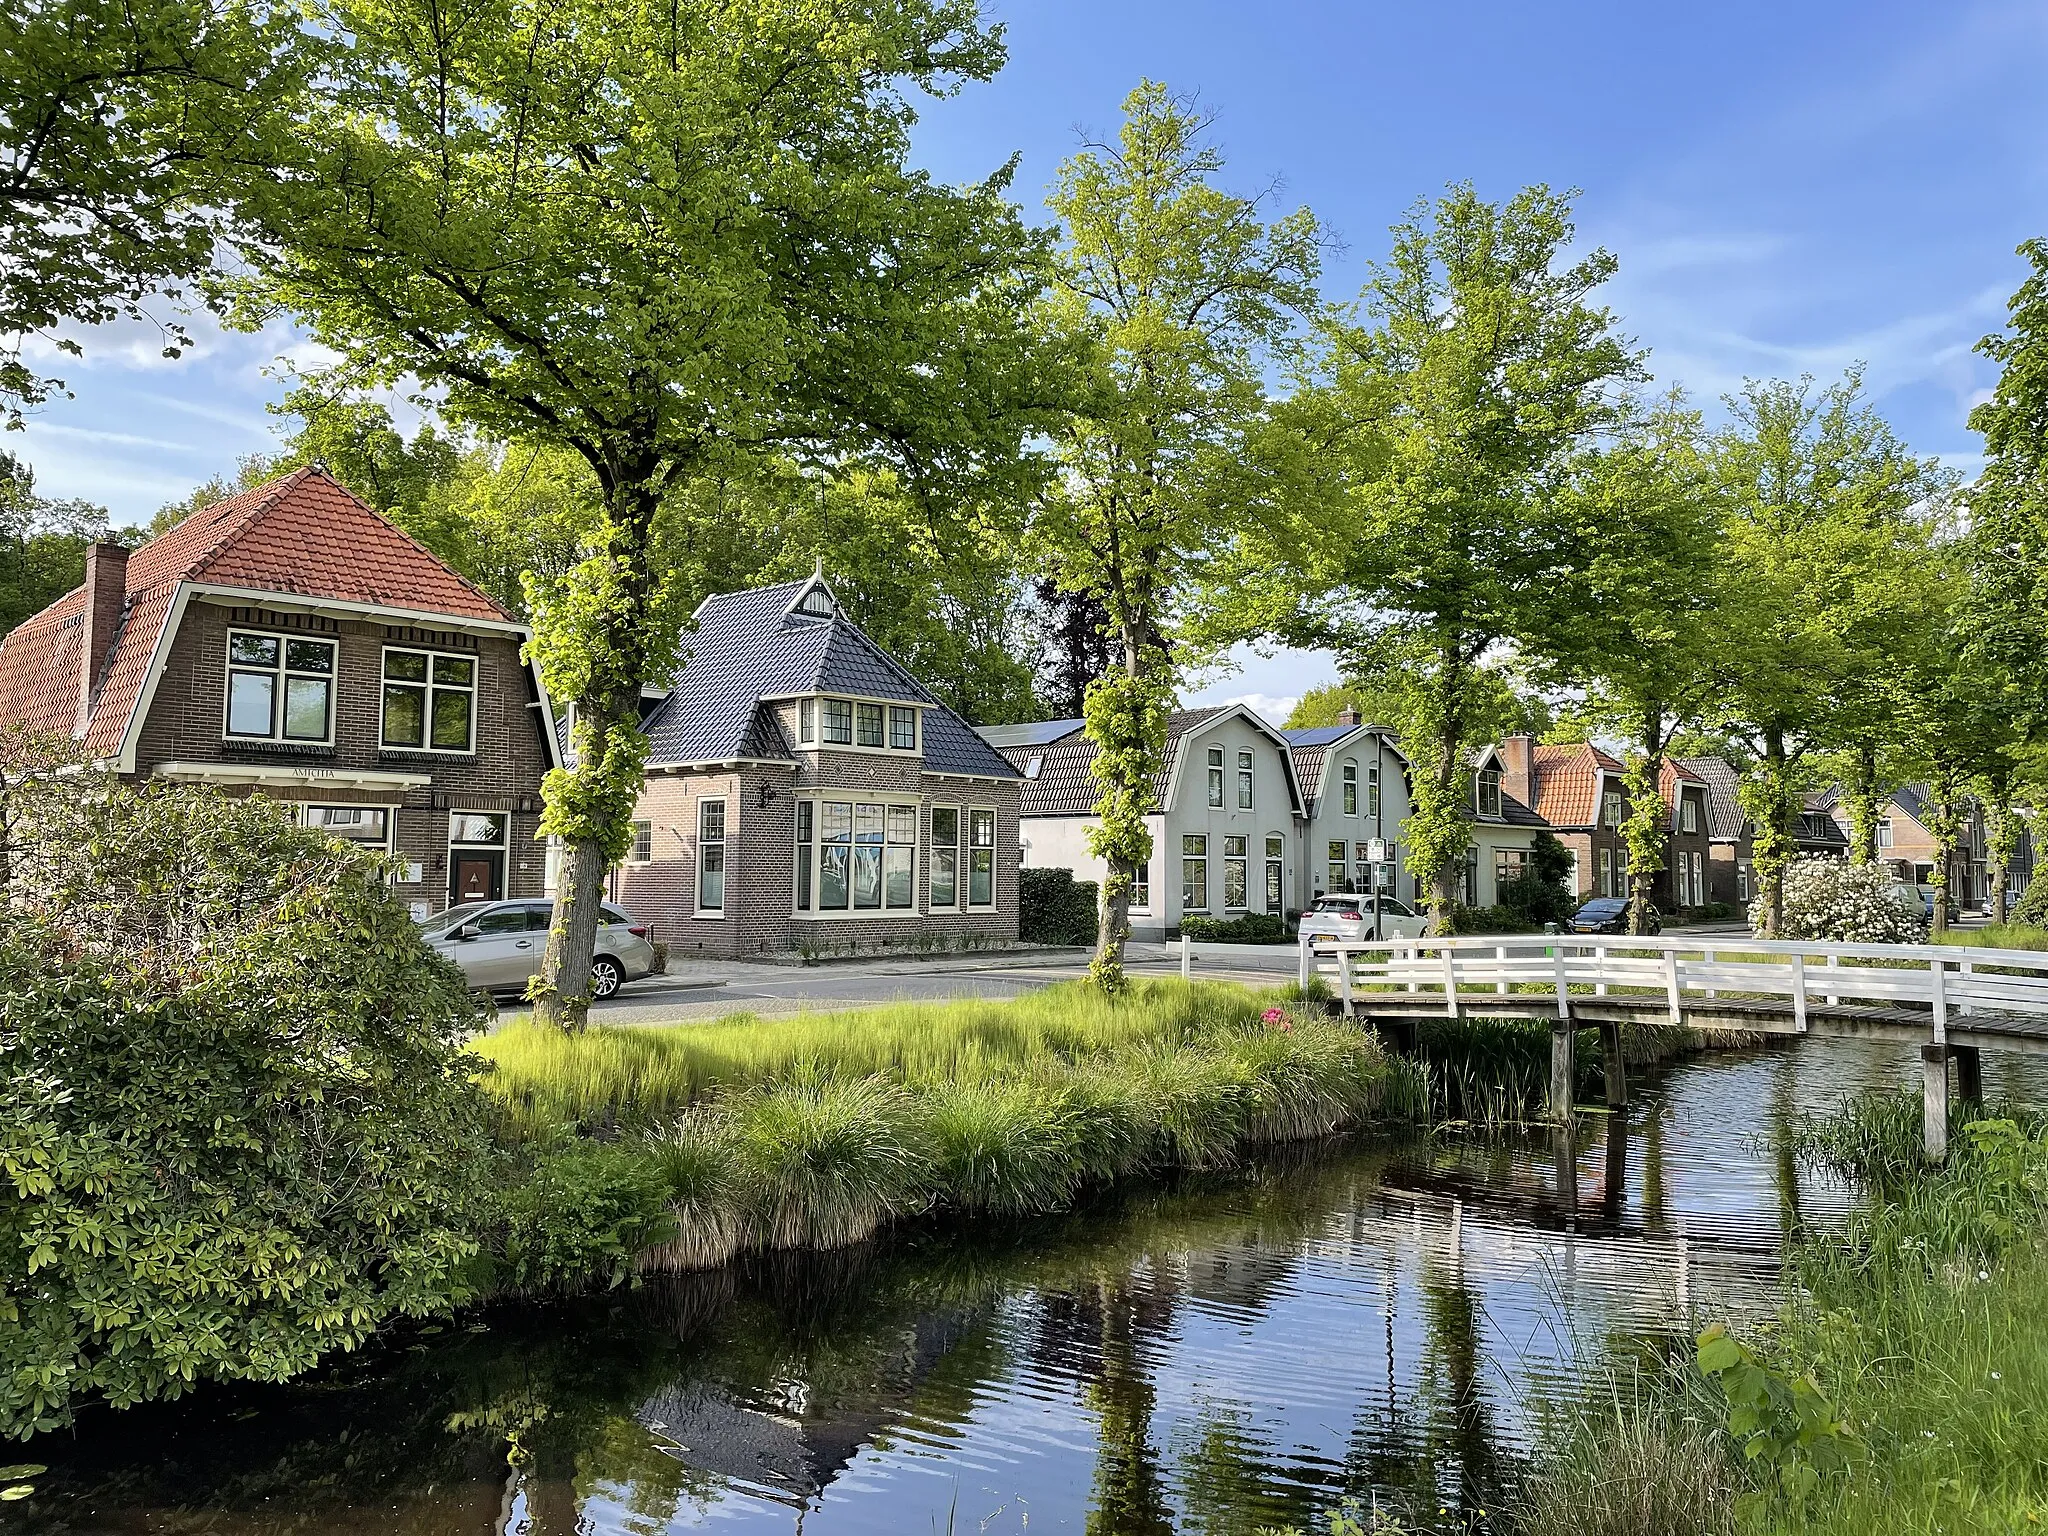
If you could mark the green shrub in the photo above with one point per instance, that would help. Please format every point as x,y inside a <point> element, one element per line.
<point>1846,903</point>
<point>1004,1148</point>
<point>1538,895</point>
<point>235,1118</point>
<point>1055,908</point>
<point>2031,910</point>
<point>1252,928</point>
<point>1467,921</point>
<point>825,1163</point>
<point>580,1215</point>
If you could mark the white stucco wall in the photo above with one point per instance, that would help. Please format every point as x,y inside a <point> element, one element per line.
<point>1331,824</point>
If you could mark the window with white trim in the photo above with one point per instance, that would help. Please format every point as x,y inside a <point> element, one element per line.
<point>945,857</point>
<point>866,855</point>
<point>867,725</point>
<point>838,723</point>
<point>1611,812</point>
<point>1487,792</point>
<point>1244,781</point>
<point>1141,887</point>
<point>902,728</point>
<point>642,851</point>
<point>1340,866</point>
<point>981,858</point>
<point>1216,777</point>
<point>279,688</point>
<point>1236,894</point>
<point>429,701</point>
<point>1275,893</point>
<point>1884,832</point>
<point>1688,813</point>
<point>1372,791</point>
<point>806,721</point>
<point>1194,872</point>
<point>363,826</point>
<point>1606,871</point>
<point>1351,789</point>
<point>711,856</point>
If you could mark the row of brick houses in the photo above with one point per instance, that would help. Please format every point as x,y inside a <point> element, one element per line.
<point>803,790</point>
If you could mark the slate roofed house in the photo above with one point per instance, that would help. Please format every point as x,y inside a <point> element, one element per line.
<point>1504,828</point>
<point>1355,785</point>
<point>1225,834</point>
<point>289,642</point>
<point>1729,871</point>
<point>804,791</point>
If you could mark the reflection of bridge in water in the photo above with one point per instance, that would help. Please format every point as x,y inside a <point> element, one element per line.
<point>1948,1003</point>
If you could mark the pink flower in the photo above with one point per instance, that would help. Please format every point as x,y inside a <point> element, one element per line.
<point>1275,1017</point>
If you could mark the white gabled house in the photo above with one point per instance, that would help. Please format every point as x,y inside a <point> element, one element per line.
<point>1228,807</point>
<point>1355,784</point>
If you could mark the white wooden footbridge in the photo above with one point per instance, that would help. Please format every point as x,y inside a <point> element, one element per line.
<point>1948,1002</point>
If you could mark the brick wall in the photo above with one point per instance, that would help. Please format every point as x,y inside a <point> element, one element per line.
<point>760,857</point>
<point>501,775</point>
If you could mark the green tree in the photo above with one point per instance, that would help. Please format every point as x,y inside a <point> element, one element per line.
<point>1179,292</point>
<point>1827,516</point>
<point>43,543</point>
<point>1646,521</point>
<point>1413,529</point>
<point>662,237</point>
<point>123,127</point>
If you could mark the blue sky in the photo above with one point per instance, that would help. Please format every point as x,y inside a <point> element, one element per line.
<point>1789,188</point>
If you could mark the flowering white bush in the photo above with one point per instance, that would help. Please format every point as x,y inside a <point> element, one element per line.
<point>1847,903</point>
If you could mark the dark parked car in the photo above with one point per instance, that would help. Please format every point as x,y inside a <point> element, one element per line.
<point>1609,914</point>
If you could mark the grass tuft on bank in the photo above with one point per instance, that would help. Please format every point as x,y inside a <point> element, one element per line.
<point>816,1132</point>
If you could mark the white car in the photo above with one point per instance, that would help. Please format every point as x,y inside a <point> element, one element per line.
<point>1344,919</point>
<point>498,945</point>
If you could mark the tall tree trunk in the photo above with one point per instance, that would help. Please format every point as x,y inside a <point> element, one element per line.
<point>1766,797</point>
<point>1942,790</point>
<point>2001,842</point>
<point>563,999</point>
<point>1645,830</point>
<point>1126,713</point>
<point>1860,799</point>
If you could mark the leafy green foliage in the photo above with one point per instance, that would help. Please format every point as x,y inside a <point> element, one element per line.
<point>1539,894</point>
<point>1401,506</point>
<point>1784,1424</point>
<point>123,128</point>
<point>577,1218</point>
<point>42,543</point>
<point>236,1124</point>
<point>1055,908</point>
<point>1252,928</point>
<point>1173,293</point>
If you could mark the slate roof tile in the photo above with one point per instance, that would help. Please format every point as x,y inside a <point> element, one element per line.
<point>756,645</point>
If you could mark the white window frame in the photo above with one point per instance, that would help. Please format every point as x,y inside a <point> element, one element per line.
<point>1484,780</point>
<point>1191,860</point>
<point>1350,778</point>
<point>1141,887</point>
<point>806,722</point>
<point>1372,792</point>
<point>854,799</point>
<point>855,705</point>
<point>1246,774</point>
<point>280,676</point>
<point>1215,762</point>
<point>1612,811</point>
<point>1237,862</point>
<point>705,842</point>
<point>503,845</point>
<point>1884,831</point>
<point>1273,882</point>
<point>429,688</point>
<point>302,810</point>
<point>1689,814</point>
<point>995,843</point>
<point>642,851</point>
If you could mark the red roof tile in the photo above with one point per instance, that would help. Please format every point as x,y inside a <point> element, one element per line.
<point>1567,782</point>
<point>302,535</point>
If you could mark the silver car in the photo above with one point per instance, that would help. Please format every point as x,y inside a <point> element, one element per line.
<point>498,945</point>
<point>1344,919</point>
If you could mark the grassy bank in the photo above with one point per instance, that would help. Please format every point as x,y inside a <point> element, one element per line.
<point>1996,936</point>
<point>676,1148</point>
<point>1902,1388</point>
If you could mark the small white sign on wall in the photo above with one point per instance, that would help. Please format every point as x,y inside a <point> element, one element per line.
<point>409,873</point>
<point>419,911</point>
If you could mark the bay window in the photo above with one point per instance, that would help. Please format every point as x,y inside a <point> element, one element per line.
<point>279,688</point>
<point>867,725</point>
<point>859,856</point>
<point>838,723</point>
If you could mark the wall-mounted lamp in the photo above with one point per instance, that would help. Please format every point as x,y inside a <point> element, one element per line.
<point>767,794</point>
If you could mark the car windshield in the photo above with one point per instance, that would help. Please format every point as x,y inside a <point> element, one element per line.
<point>452,917</point>
<point>1605,906</point>
<point>1347,905</point>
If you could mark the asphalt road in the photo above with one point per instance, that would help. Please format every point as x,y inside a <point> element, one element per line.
<point>774,990</point>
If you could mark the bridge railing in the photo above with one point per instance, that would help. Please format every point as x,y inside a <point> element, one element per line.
<point>1457,976</point>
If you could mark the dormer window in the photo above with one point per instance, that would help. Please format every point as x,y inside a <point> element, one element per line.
<point>817,603</point>
<point>1488,792</point>
<point>857,723</point>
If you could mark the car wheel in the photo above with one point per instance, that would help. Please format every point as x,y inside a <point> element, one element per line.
<point>606,977</point>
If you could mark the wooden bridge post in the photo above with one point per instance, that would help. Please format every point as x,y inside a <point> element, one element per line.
<point>1934,1100</point>
<point>1616,1066</point>
<point>1564,1042</point>
<point>1969,1073</point>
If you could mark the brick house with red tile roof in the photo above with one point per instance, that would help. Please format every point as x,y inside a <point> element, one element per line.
<point>288,641</point>
<point>1577,788</point>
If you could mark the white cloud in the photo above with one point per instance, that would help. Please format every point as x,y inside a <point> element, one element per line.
<point>1275,710</point>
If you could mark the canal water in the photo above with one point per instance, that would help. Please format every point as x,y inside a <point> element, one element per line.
<point>1225,1355</point>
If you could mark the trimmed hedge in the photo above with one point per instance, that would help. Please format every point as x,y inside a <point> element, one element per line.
<point>1055,908</point>
<point>1252,928</point>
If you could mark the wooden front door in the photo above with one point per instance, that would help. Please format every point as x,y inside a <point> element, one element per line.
<point>475,875</point>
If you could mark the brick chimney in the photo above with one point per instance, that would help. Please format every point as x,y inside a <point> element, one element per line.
<point>1349,715</point>
<point>106,594</point>
<point>1518,768</point>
